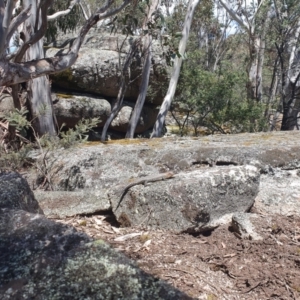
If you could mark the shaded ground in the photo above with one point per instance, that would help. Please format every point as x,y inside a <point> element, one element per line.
<point>218,265</point>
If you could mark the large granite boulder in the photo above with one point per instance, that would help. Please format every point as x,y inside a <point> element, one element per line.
<point>41,259</point>
<point>71,108</point>
<point>279,193</point>
<point>97,69</point>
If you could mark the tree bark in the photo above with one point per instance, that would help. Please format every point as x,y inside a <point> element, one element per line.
<point>39,89</point>
<point>12,73</point>
<point>257,61</point>
<point>159,124</point>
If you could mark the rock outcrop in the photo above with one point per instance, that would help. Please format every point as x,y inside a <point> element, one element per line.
<point>192,201</point>
<point>215,176</point>
<point>15,193</point>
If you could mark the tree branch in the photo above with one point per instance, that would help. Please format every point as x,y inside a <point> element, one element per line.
<point>257,10</point>
<point>101,14</point>
<point>13,73</point>
<point>39,34</point>
<point>87,13</point>
<point>234,16</point>
<point>63,12</point>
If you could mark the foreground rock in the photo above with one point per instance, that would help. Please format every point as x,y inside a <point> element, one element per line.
<point>190,202</point>
<point>243,226</point>
<point>41,259</point>
<point>61,204</point>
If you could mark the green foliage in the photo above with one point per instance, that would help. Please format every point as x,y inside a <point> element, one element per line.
<point>18,119</point>
<point>246,116</point>
<point>215,100</point>
<point>132,19</point>
<point>79,134</point>
<point>15,160</point>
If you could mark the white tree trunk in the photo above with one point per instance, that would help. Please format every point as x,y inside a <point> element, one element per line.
<point>157,130</point>
<point>255,68</point>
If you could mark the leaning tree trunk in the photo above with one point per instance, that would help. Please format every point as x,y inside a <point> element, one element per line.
<point>122,87</point>
<point>39,89</point>
<point>142,91</point>
<point>145,73</point>
<point>160,120</point>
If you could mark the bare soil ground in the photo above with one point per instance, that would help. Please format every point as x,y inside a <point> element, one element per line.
<point>217,265</point>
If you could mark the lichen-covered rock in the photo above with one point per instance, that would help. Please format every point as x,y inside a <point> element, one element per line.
<point>61,204</point>
<point>243,226</point>
<point>70,109</point>
<point>15,193</point>
<point>97,168</point>
<point>41,259</point>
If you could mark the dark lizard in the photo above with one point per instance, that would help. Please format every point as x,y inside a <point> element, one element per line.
<point>145,180</point>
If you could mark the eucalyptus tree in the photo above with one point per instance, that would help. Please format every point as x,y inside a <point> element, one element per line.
<point>28,65</point>
<point>254,19</point>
